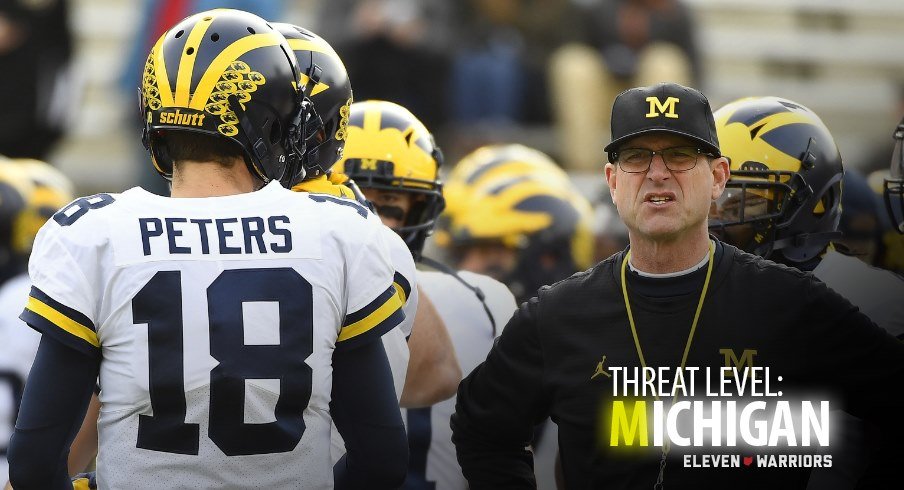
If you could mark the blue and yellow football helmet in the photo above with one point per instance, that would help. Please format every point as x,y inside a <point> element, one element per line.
<point>528,206</point>
<point>229,74</point>
<point>783,199</point>
<point>17,219</point>
<point>389,149</point>
<point>325,84</point>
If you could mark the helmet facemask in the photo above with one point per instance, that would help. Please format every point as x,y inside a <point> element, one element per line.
<point>752,209</point>
<point>893,191</point>
<point>783,198</point>
<point>427,199</point>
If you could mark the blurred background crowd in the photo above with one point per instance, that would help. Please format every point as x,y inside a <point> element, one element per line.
<point>537,72</point>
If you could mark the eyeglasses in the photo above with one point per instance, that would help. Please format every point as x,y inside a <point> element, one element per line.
<point>676,159</point>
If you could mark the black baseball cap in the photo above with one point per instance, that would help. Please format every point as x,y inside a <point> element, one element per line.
<point>664,107</point>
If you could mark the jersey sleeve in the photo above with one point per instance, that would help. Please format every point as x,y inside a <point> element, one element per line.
<point>61,301</point>
<point>374,306</point>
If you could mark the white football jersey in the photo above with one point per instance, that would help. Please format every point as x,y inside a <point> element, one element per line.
<point>216,320</point>
<point>396,340</point>
<point>432,456</point>
<point>17,352</point>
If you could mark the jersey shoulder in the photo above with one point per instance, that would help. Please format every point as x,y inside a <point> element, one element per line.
<point>85,217</point>
<point>76,235</point>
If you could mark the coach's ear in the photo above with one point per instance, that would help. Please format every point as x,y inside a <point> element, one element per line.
<point>610,179</point>
<point>721,173</point>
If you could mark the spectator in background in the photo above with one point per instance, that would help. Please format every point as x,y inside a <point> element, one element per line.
<point>881,145</point>
<point>395,50</point>
<point>156,17</point>
<point>35,52</point>
<point>505,49</point>
<point>625,43</point>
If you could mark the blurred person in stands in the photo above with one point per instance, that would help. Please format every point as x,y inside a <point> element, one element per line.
<point>625,43</point>
<point>36,90</point>
<point>156,17</point>
<point>880,148</point>
<point>504,49</point>
<point>395,50</point>
<point>393,158</point>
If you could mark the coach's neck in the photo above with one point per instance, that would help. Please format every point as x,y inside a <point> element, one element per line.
<point>661,255</point>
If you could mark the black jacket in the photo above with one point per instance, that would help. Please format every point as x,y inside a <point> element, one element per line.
<point>543,365</point>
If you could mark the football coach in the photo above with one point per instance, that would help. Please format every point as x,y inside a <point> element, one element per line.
<point>675,298</point>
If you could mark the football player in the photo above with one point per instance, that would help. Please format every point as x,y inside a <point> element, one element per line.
<point>516,217</point>
<point>17,350</point>
<point>394,159</point>
<point>783,202</point>
<point>230,324</point>
<point>424,369</point>
<point>32,191</point>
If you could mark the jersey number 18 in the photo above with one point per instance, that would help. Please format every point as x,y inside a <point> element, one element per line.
<point>159,305</point>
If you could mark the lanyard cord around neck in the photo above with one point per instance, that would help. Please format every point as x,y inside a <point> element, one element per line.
<point>690,337</point>
<point>687,347</point>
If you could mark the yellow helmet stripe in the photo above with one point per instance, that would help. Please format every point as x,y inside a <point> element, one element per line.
<point>371,124</point>
<point>316,47</point>
<point>320,87</point>
<point>224,59</point>
<point>187,62</point>
<point>306,45</point>
<point>166,92</point>
<point>782,119</point>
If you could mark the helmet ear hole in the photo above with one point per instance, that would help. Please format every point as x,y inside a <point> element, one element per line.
<point>275,132</point>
